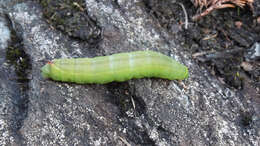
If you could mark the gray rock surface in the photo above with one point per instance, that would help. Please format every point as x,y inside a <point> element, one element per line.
<point>197,111</point>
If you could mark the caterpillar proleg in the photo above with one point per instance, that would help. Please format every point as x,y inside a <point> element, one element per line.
<point>117,67</point>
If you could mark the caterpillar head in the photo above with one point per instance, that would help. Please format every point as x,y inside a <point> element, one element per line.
<point>46,70</point>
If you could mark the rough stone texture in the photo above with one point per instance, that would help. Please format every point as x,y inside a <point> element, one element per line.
<point>197,111</point>
<point>4,33</point>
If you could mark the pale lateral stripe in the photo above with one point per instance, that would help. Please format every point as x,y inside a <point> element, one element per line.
<point>147,53</point>
<point>131,61</point>
<point>74,70</point>
<point>111,63</point>
<point>60,73</point>
<point>92,66</point>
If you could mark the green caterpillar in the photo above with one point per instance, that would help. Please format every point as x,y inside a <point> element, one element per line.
<point>117,67</point>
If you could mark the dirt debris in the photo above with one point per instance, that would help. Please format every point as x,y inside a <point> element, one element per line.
<point>207,6</point>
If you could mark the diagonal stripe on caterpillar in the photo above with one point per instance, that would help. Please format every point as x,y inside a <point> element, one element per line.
<point>117,67</point>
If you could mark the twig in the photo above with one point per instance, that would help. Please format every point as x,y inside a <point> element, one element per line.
<point>186,15</point>
<point>124,141</point>
<point>212,5</point>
